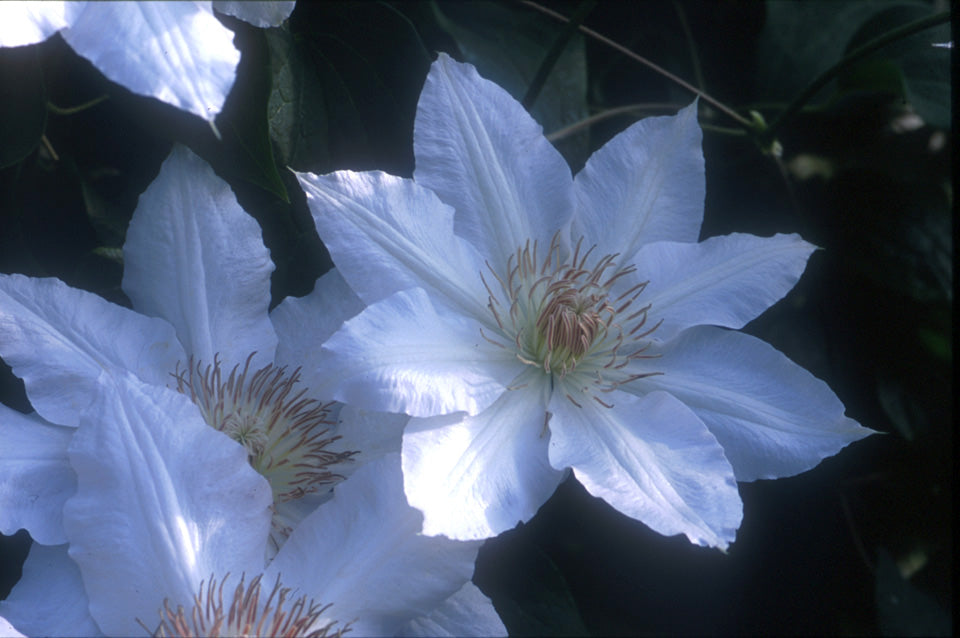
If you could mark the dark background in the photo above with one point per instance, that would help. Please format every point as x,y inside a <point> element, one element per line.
<point>862,543</point>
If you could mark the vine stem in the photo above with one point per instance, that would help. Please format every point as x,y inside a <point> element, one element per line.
<point>642,60</point>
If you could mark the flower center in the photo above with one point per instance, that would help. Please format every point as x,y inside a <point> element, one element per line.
<point>285,434</point>
<point>563,315</point>
<point>246,616</point>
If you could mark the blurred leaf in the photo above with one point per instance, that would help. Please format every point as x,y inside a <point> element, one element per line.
<point>527,589</point>
<point>802,39</point>
<point>23,111</point>
<point>903,410</point>
<point>937,343</point>
<point>507,44</point>
<point>925,68</point>
<point>903,609</point>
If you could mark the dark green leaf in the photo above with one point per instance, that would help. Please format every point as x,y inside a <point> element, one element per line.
<point>23,113</point>
<point>925,68</point>
<point>802,39</point>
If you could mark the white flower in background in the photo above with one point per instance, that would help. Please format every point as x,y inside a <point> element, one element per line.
<point>176,52</point>
<point>169,526</point>
<point>198,275</point>
<point>533,322</point>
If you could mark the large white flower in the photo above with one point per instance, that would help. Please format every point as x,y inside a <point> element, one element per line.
<point>177,52</point>
<point>198,274</point>
<point>533,322</point>
<point>168,531</point>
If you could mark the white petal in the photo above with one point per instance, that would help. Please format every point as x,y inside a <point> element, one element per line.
<point>49,599</point>
<point>163,502</point>
<point>772,417</point>
<point>363,553</point>
<point>646,184</point>
<point>302,324</point>
<point>484,155</point>
<point>194,257</point>
<point>35,476</point>
<point>371,434</point>
<point>59,340</point>
<point>474,477</point>
<point>259,14</point>
<point>23,23</point>
<point>724,281</point>
<point>176,52</point>
<point>467,613</point>
<point>404,355</point>
<point>652,459</point>
<point>7,630</point>
<point>387,234</point>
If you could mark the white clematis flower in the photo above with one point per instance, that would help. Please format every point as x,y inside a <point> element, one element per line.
<point>168,530</point>
<point>176,52</point>
<point>198,274</point>
<point>533,322</point>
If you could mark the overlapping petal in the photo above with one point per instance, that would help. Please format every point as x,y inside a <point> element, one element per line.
<point>59,340</point>
<point>474,477</point>
<point>177,52</point>
<point>772,417</point>
<point>259,14</point>
<point>49,599</point>
<point>194,257</point>
<point>466,613</point>
<point>368,558</point>
<point>163,502</point>
<point>482,153</point>
<point>23,23</point>
<point>387,234</point>
<point>35,476</point>
<point>651,458</point>
<point>302,324</point>
<point>404,355</point>
<point>723,281</point>
<point>658,193</point>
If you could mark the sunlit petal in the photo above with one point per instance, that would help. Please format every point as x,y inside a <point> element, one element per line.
<point>363,552</point>
<point>723,281</point>
<point>652,459</point>
<point>194,257</point>
<point>772,417</point>
<point>658,193</point>
<point>23,23</point>
<point>482,153</point>
<point>163,502</point>
<point>59,340</point>
<point>387,234</point>
<point>404,355</point>
<point>177,52</point>
<point>474,477</point>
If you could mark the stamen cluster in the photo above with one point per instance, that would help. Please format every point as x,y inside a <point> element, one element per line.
<point>562,316</point>
<point>285,433</point>
<point>246,616</point>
